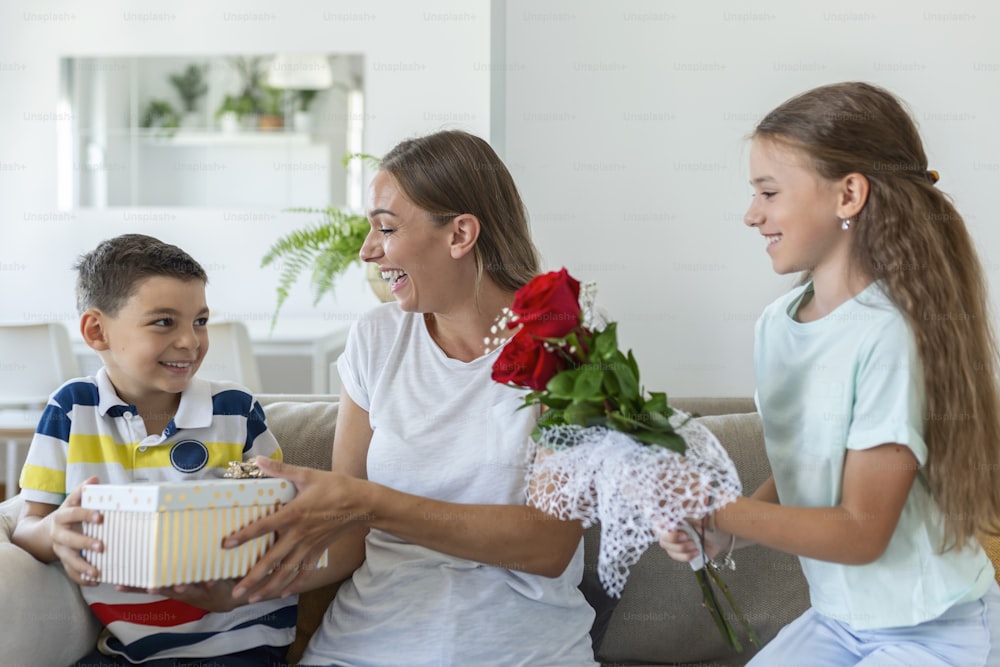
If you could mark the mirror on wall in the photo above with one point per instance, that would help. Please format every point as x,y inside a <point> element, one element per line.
<point>242,130</point>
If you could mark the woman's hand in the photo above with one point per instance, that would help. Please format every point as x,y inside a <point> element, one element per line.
<point>68,539</point>
<point>215,596</point>
<point>323,508</point>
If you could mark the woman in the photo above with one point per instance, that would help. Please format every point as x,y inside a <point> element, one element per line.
<point>425,504</point>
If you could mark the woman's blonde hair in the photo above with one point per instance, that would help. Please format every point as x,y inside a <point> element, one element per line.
<point>910,237</point>
<point>451,173</point>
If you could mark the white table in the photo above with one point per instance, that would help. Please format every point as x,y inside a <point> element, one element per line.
<point>16,428</point>
<point>320,340</point>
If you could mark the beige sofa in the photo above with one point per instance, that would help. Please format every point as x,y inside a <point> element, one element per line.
<point>658,621</point>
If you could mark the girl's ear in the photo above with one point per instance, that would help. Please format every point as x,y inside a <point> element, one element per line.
<point>464,233</point>
<point>853,195</point>
<point>93,331</point>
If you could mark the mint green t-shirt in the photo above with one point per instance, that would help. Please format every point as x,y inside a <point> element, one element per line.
<point>853,380</point>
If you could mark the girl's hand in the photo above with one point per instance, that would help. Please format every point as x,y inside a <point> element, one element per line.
<point>680,546</point>
<point>323,508</point>
<point>68,539</point>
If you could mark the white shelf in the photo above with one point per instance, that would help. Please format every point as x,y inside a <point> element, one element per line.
<point>240,139</point>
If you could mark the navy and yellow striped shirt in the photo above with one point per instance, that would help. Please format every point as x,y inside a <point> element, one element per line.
<point>86,429</point>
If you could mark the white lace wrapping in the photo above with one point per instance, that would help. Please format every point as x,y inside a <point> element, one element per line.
<point>634,491</point>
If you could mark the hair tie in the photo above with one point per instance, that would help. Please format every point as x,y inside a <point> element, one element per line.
<point>932,176</point>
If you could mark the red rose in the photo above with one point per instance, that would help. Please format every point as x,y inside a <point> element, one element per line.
<point>549,305</point>
<point>525,363</point>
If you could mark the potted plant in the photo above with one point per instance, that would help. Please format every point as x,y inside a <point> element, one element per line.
<point>328,247</point>
<point>233,110</point>
<point>191,86</point>
<point>302,118</point>
<point>271,117</point>
<point>161,117</point>
<point>248,103</point>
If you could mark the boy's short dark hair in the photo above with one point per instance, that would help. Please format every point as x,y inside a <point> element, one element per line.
<point>109,274</point>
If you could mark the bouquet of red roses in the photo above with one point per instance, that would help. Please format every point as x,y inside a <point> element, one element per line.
<point>578,373</point>
<point>617,455</point>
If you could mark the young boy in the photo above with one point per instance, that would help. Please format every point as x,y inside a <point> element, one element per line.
<point>146,417</point>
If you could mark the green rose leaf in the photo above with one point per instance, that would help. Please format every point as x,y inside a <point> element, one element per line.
<point>550,418</point>
<point>588,384</point>
<point>606,342</point>
<point>628,379</point>
<point>657,403</point>
<point>612,387</point>
<point>584,414</point>
<point>620,422</point>
<point>634,365</point>
<point>671,441</point>
<point>655,421</point>
<point>561,386</point>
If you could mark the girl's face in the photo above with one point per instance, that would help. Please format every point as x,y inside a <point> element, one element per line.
<point>795,210</point>
<point>411,250</point>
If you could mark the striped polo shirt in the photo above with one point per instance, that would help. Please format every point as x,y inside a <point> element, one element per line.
<point>87,430</point>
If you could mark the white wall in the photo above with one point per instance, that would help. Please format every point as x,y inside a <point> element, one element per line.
<point>425,69</point>
<point>623,125</point>
<point>625,130</point>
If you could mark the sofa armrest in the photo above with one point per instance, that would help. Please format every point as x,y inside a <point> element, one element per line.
<point>45,619</point>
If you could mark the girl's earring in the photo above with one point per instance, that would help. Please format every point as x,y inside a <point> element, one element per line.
<point>846,224</point>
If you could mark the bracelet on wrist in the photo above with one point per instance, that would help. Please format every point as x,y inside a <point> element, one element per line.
<point>727,561</point>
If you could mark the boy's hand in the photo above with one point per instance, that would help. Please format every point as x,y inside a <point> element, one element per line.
<point>68,540</point>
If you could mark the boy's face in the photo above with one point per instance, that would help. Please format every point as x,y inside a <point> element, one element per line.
<point>156,342</point>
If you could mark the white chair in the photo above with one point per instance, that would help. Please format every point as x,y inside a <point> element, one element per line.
<point>34,360</point>
<point>230,356</point>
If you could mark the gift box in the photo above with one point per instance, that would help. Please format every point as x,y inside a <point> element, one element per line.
<point>164,534</point>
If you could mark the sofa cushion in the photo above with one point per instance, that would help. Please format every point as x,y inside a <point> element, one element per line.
<point>304,427</point>
<point>713,405</point>
<point>304,430</point>
<point>661,618</point>
<point>45,620</point>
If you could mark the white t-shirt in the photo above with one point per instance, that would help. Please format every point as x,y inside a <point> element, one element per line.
<point>853,380</point>
<point>444,430</point>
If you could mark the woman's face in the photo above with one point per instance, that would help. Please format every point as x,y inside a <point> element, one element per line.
<point>411,250</point>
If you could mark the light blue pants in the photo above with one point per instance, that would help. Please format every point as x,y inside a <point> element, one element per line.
<point>967,635</point>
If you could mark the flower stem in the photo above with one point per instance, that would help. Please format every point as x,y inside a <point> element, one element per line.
<point>725,629</point>
<point>720,582</point>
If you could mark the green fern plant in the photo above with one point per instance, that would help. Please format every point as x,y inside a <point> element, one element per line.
<point>328,247</point>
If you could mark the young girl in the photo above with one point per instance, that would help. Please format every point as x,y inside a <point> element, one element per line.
<point>878,393</point>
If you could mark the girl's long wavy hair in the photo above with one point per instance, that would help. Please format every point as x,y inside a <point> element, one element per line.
<point>910,237</point>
